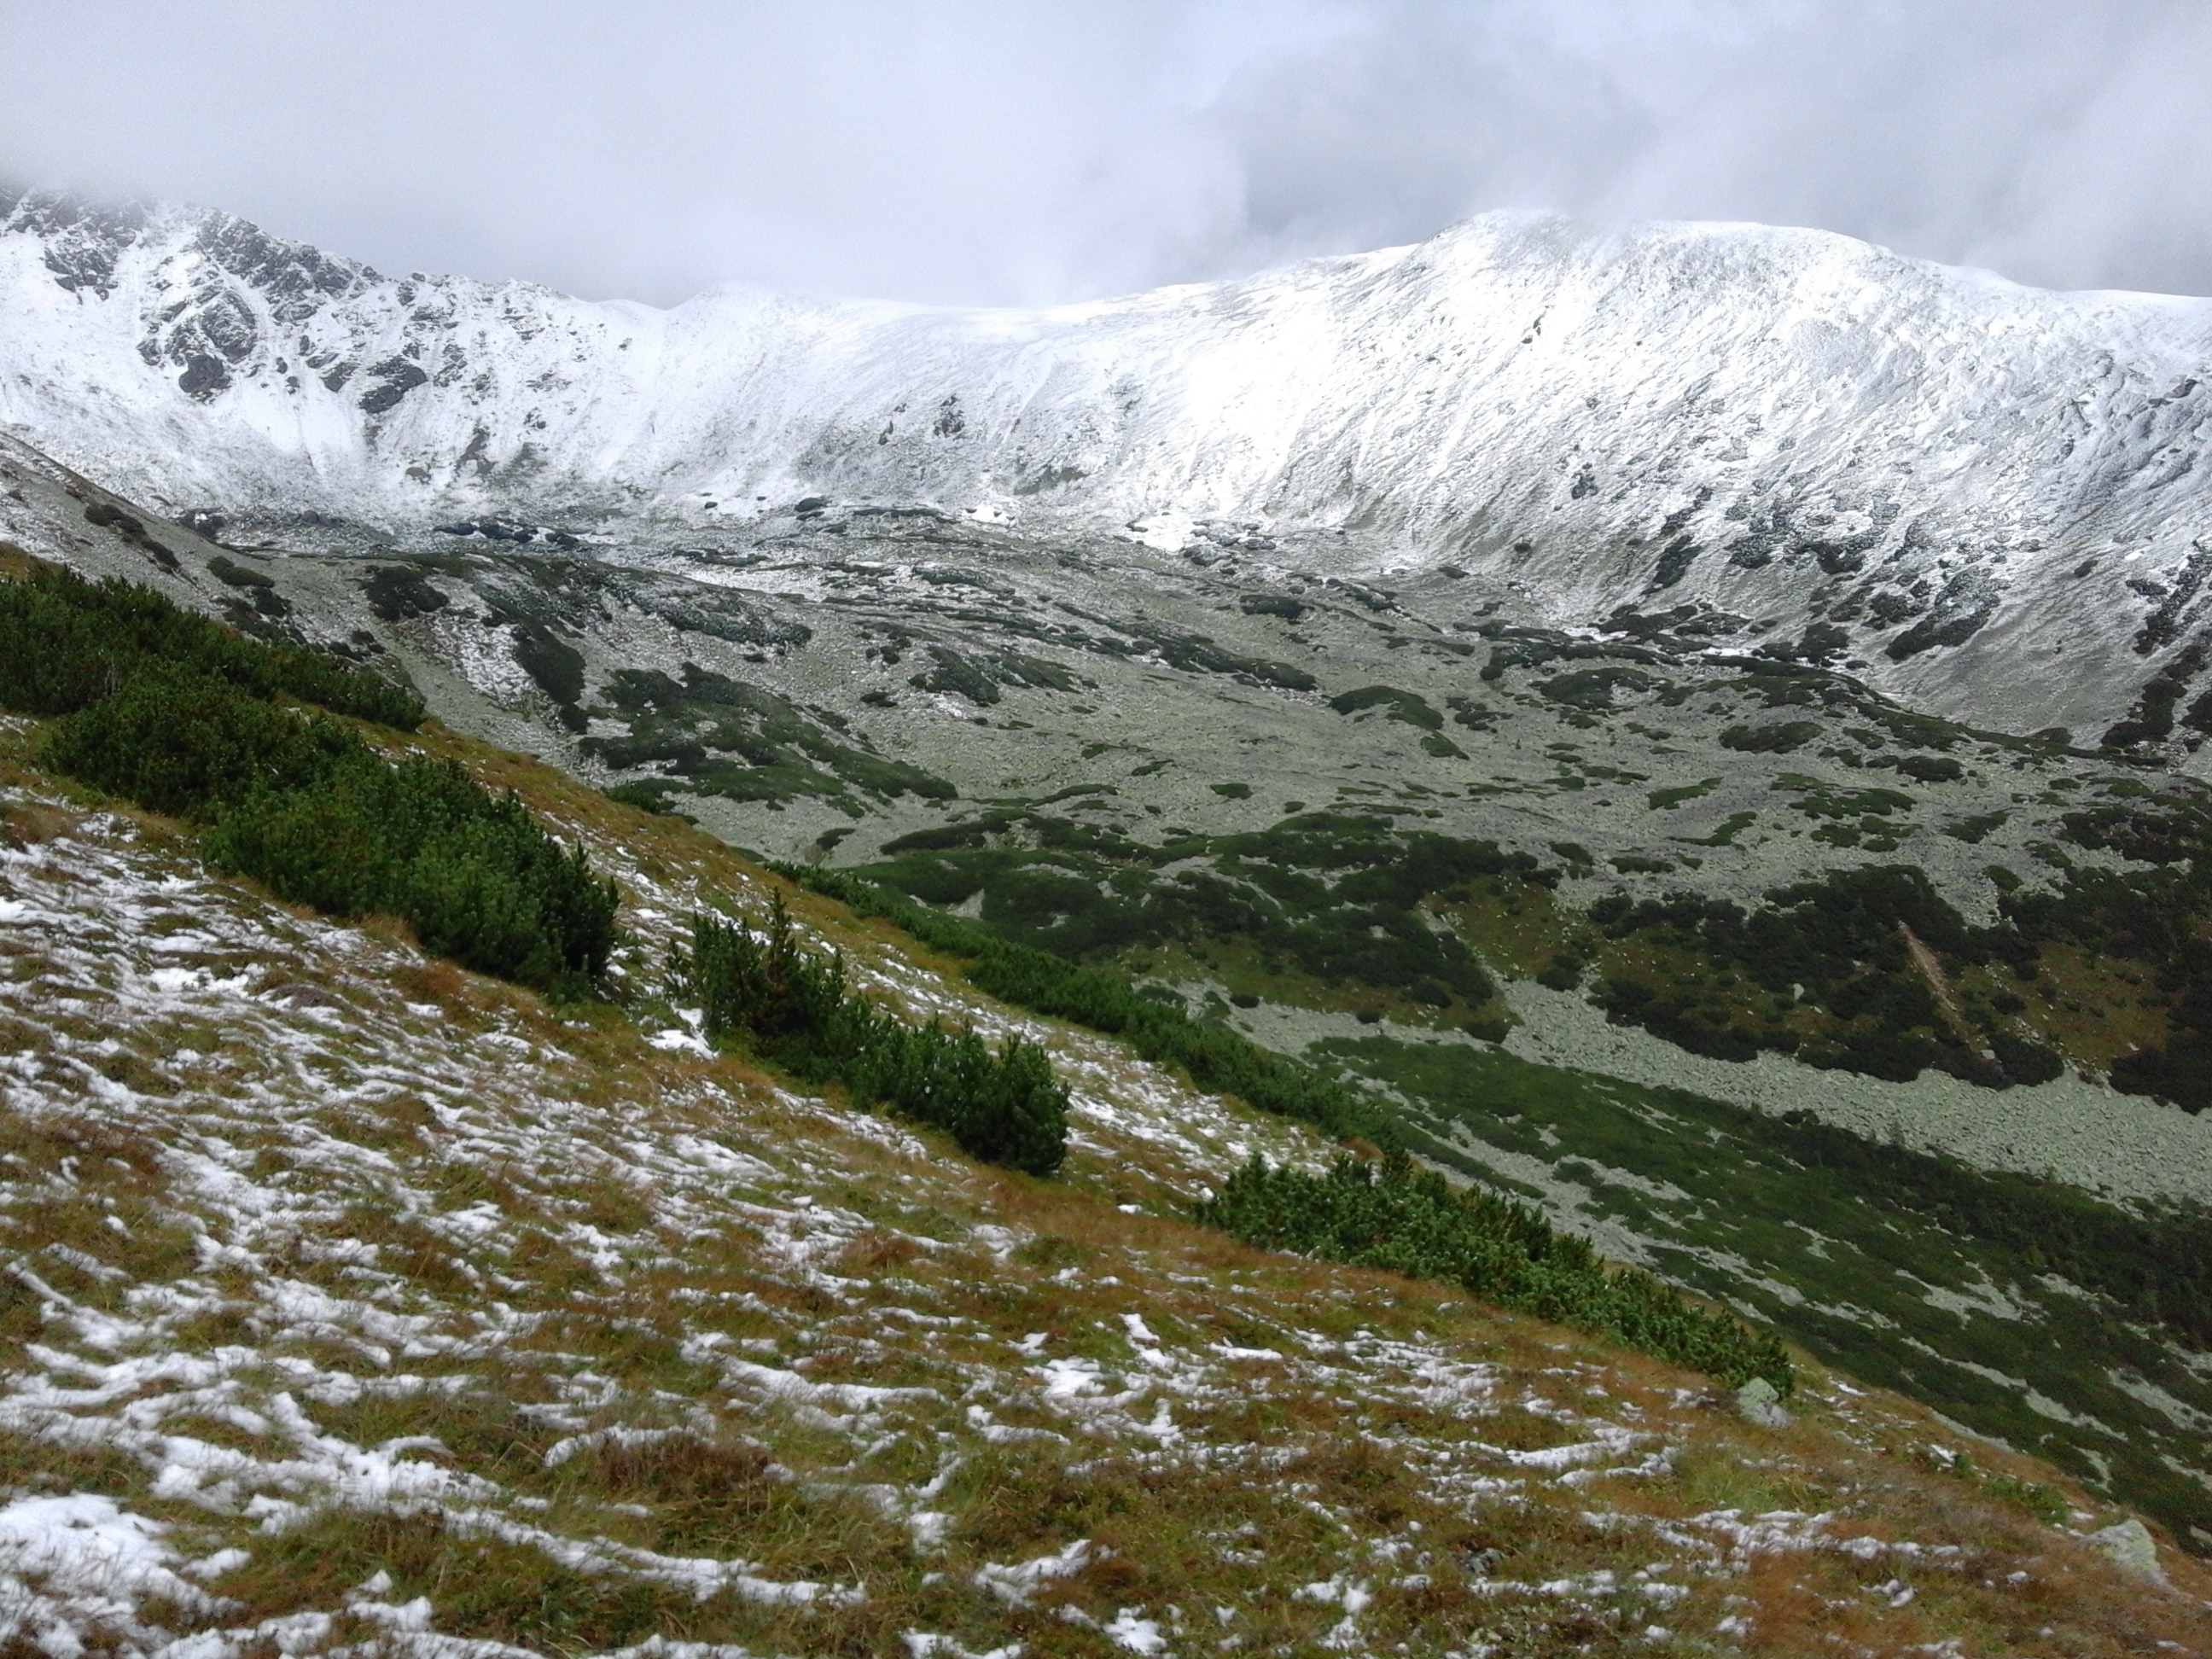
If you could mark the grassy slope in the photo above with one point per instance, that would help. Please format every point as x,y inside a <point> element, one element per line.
<point>405,1304</point>
<point>1733,1203</point>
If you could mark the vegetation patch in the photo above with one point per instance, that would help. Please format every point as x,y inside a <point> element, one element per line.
<point>1734,825</point>
<point>1975,830</point>
<point>555,666</point>
<point>1835,969</point>
<point>299,802</point>
<point>1474,715</point>
<point>257,588</point>
<point>2155,917</point>
<point>1859,1250</point>
<point>979,679</point>
<point>1196,653</point>
<point>1593,690</point>
<point>725,738</point>
<point>398,592</point>
<point>1930,769</point>
<point>1338,897</point>
<point>1413,1223</point>
<point>1778,739</point>
<point>1662,801</point>
<point>1212,1056</point>
<point>66,643</point>
<point>1407,706</point>
<point>1818,799</point>
<point>795,1009</point>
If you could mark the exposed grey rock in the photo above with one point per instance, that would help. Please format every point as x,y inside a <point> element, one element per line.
<point>2129,1543</point>
<point>1759,1401</point>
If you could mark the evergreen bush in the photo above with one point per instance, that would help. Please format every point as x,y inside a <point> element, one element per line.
<point>471,872</point>
<point>1407,1222</point>
<point>176,713</point>
<point>1212,1056</point>
<point>2155,1264</point>
<point>66,643</point>
<point>796,1009</point>
<point>177,740</point>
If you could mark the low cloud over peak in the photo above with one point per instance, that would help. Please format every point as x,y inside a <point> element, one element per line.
<point>997,153</point>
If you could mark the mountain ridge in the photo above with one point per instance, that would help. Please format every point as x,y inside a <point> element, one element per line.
<point>1970,484</point>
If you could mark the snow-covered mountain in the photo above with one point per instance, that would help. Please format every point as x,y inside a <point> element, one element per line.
<point>1990,495</point>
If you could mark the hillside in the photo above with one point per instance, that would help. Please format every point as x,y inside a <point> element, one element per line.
<point>1990,497</point>
<point>356,1298</point>
<point>1523,919</point>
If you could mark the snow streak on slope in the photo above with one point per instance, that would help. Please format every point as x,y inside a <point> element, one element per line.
<point>1789,424</point>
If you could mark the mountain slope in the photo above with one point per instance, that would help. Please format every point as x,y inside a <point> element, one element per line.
<point>1993,494</point>
<point>864,696</point>
<point>353,1299</point>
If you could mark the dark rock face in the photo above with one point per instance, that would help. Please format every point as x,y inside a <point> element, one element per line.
<point>296,280</point>
<point>390,381</point>
<point>83,240</point>
<point>204,378</point>
<point>504,530</point>
<point>215,317</point>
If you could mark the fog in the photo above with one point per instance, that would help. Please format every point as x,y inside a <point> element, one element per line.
<point>1022,154</point>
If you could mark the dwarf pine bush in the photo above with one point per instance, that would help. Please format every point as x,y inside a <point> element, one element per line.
<point>471,872</point>
<point>177,714</point>
<point>1410,1223</point>
<point>66,643</point>
<point>1212,1056</point>
<point>179,740</point>
<point>797,1009</point>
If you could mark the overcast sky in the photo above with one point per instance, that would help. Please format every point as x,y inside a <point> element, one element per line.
<point>984,153</point>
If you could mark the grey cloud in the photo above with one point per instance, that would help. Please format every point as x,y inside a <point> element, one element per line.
<point>2057,141</point>
<point>1021,153</point>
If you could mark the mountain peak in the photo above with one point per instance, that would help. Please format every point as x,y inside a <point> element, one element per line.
<point>1782,423</point>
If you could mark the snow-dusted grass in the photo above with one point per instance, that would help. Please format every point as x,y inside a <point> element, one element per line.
<point>353,1301</point>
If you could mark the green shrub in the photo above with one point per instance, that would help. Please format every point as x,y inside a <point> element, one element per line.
<point>176,713</point>
<point>1667,800</point>
<point>2024,1060</point>
<point>1834,945</point>
<point>647,797</point>
<point>1930,769</point>
<point>1778,739</point>
<point>1005,1107</point>
<point>1593,689</point>
<point>1212,1056</point>
<point>2155,1266</point>
<point>1411,1223</point>
<point>472,873</point>
<point>1410,707</point>
<point>66,643</point>
<point>179,740</point>
<point>1553,1276</point>
<point>1562,973</point>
